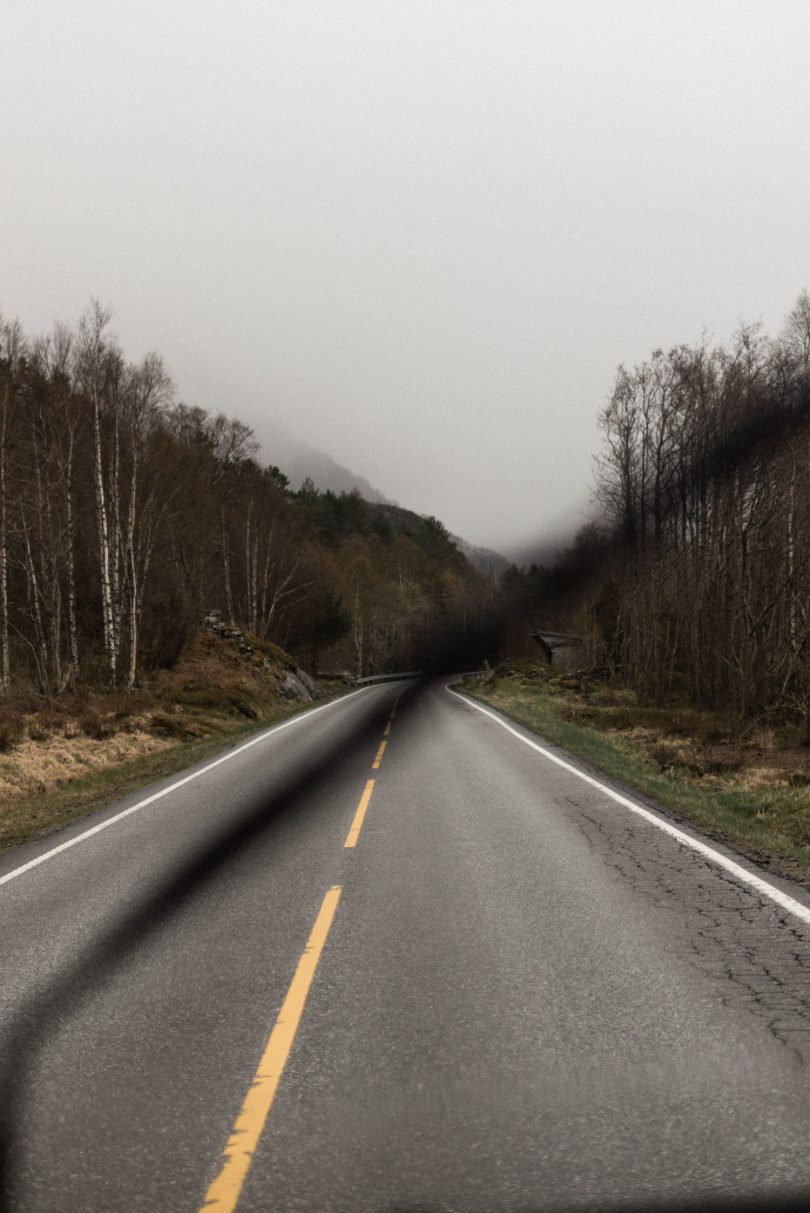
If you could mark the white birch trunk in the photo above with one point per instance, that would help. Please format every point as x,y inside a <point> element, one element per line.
<point>134,581</point>
<point>104,547</point>
<point>34,597</point>
<point>5,677</point>
<point>73,634</point>
<point>226,570</point>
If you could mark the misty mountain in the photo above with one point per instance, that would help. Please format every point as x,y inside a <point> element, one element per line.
<point>544,553</point>
<point>298,460</point>
<point>483,559</point>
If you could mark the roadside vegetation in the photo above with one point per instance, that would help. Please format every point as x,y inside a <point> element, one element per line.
<point>686,595</point>
<point>128,519</point>
<point>744,783</point>
<point>693,583</point>
<point>61,760</point>
<point>126,516</point>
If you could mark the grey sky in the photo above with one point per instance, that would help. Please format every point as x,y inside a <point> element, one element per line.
<point>420,234</point>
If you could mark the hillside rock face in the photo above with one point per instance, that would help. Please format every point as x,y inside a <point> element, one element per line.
<point>298,684</point>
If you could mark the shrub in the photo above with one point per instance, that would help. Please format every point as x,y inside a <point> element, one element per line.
<point>11,730</point>
<point>92,725</point>
<point>217,699</point>
<point>170,727</point>
<point>128,703</point>
<point>270,650</point>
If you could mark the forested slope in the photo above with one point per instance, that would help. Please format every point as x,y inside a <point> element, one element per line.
<point>126,515</point>
<point>695,583</point>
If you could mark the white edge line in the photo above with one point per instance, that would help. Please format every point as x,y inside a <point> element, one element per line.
<point>755,882</point>
<point>111,821</point>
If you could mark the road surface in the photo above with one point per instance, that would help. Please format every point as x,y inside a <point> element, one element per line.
<point>439,973</point>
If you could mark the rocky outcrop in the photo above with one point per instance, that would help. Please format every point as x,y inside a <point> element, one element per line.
<point>297,684</point>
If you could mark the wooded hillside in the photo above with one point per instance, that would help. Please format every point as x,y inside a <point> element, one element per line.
<point>126,515</point>
<point>696,581</point>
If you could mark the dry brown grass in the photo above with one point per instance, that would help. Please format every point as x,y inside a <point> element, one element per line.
<point>747,786</point>
<point>38,766</point>
<point>718,749</point>
<point>212,692</point>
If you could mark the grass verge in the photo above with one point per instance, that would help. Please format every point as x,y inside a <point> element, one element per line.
<point>61,759</point>
<point>761,810</point>
<point>26,818</point>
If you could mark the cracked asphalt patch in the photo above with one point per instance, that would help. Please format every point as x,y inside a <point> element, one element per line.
<point>756,954</point>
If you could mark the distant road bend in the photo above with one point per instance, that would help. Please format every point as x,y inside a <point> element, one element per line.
<point>397,954</point>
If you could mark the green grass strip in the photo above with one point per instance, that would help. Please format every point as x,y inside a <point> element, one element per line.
<point>771,826</point>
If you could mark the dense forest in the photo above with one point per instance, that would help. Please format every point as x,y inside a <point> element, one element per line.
<point>126,516</point>
<point>695,583</point>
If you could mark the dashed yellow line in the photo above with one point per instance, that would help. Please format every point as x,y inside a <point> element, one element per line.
<point>354,832</point>
<point>375,766</point>
<point>224,1192</point>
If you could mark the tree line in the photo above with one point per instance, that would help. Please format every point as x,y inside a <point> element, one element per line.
<point>126,515</point>
<point>696,581</point>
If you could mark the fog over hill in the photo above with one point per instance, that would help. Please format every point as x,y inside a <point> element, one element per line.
<point>298,460</point>
<point>543,551</point>
<point>483,559</point>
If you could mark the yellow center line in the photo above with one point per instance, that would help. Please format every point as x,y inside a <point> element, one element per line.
<point>354,832</point>
<point>387,729</point>
<point>224,1192</point>
<point>375,766</point>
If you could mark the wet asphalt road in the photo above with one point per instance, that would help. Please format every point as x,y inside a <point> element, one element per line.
<point>528,998</point>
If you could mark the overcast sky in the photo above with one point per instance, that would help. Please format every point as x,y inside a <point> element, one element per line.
<point>420,234</point>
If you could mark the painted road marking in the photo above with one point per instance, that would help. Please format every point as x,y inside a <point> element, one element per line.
<point>224,1192</point>
<point>375,766</point>
<point>387,729</point>
<point>179,783</point>
<point>754,882</point>
<point>354,832</point>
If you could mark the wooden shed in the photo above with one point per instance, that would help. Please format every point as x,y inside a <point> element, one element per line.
<point>561,650</point>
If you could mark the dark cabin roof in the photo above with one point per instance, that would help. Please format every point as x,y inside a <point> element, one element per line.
<point>557,640</point>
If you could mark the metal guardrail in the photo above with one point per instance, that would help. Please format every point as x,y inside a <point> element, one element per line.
<point>389,677</point>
